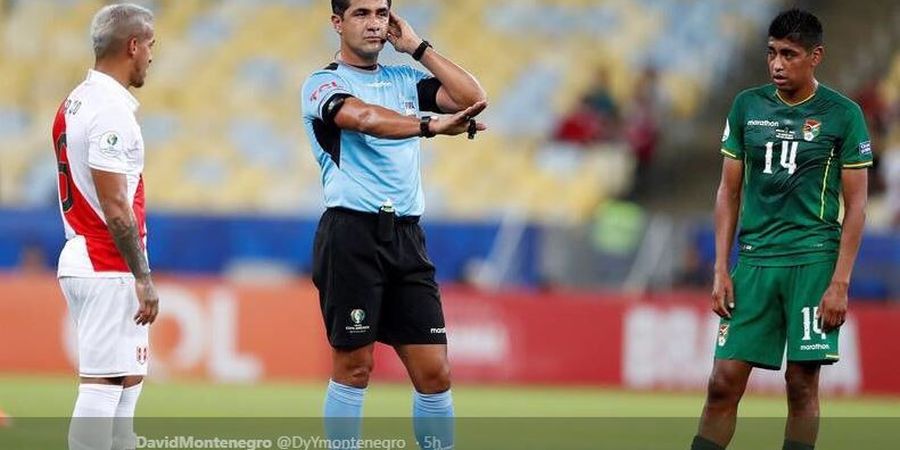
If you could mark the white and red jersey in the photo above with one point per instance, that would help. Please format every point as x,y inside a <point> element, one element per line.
<point>95,128</point>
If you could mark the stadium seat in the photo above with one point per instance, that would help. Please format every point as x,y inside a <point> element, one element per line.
<point>221,109</point>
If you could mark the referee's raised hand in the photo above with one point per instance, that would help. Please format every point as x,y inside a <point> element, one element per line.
<point>401,35</point>
<point>459,123</point>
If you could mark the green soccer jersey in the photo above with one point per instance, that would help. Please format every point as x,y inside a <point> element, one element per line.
<point>793,155</point>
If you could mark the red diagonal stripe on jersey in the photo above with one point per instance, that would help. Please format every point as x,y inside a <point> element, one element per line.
<point>138,207</point>
<point>81,216</point>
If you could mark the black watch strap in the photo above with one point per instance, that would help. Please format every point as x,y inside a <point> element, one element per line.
<point>420,51</point>
<point>424,129</point>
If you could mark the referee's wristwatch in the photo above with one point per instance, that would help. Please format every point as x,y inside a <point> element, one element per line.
<point>425,127</point>
<point>420,51</point>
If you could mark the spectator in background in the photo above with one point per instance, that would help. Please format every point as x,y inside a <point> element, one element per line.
<point>595,117</point>
<point>889,169</point>
<point>694,272</point>
<point>874,106</point>
<point>33,259</point>
<point>580,127</point>
<point>600,100</point>
<point>642,124</point>
<point>877,112</point>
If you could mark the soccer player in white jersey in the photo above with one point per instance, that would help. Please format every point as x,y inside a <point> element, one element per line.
<point>103,268</point>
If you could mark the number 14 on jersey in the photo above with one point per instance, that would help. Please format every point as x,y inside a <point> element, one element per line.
<point>788,156</point>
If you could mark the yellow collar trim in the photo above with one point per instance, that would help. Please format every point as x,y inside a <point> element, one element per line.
<point>778,94</point>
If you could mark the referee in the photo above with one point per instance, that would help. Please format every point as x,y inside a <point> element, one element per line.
<point>370,265</point>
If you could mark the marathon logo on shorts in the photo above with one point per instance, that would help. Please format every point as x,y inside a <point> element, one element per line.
<point>357,317</point>
<point>723,334</point>
<point>807,347</point>
<point>142,354</point>
<point>442,330</point>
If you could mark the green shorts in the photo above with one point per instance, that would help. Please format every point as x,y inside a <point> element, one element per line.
<point>774,305</point>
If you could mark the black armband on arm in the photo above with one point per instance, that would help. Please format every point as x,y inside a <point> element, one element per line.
<point>428,89</point>
<point>332,106</point>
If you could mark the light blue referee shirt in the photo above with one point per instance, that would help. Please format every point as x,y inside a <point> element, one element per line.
<point>362,172</point>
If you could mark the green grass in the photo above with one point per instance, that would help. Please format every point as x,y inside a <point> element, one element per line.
<point>54,397</point>
<point>495,417</point>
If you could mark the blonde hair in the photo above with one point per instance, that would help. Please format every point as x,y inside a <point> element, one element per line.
<point>114,25</point>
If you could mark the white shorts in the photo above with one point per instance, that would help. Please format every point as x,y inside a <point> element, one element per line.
<point>110,344</point>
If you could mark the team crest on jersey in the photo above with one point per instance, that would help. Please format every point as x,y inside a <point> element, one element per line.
<point>142,354</point>
<point>723,334</point>
<point>811,129</point>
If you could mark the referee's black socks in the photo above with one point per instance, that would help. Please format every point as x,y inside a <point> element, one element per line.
<point>701,443</point>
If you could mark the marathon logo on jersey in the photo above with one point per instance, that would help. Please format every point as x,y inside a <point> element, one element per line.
<point>811,129</point>
<point>357,317</point>
<point>865,148</point>
<point>727,131</point>
<point>143,353</point>
<point>762,123</point>
<point>324,89</point>
<point>723,334</point>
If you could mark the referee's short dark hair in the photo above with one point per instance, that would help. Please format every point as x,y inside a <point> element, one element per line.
<point>339,7</point>
<point>798,26</point>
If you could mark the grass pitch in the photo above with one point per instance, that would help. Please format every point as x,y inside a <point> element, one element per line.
<point>496,417</point>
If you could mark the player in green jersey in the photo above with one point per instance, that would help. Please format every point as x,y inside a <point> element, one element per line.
<point>793,149</point>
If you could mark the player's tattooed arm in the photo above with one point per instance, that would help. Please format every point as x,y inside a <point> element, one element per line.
<point>125,234</point>
<point>112,192</point>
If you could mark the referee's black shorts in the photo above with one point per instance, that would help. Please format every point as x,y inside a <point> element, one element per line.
<point>372,289</point>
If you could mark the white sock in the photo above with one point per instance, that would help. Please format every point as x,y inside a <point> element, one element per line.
<point>123,430</point>
<point>92,421</point>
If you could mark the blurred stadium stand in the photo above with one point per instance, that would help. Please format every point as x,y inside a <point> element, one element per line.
<point>227,159</point>
<point>221,115</point>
